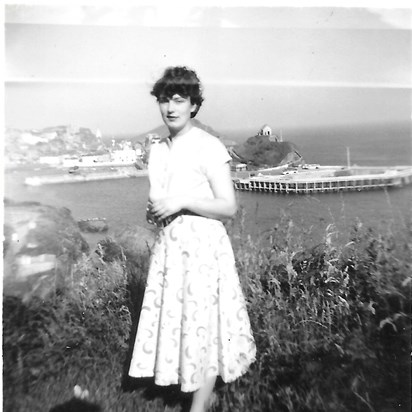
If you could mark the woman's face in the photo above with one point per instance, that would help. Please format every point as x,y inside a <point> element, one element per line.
<point>176,112</point>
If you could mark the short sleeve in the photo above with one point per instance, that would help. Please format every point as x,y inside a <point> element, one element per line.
<point>214,155</point>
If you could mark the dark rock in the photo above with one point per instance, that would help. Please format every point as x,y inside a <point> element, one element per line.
<point>40,247</point>
<point>260,151</point>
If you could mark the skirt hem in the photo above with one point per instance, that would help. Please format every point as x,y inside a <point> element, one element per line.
<point>190,388</point>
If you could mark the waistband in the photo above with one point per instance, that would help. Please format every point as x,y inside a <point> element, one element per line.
<point>152,219</point>
<point>165,222</point>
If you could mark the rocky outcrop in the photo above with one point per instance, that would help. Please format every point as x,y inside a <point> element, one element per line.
<point>41,245</point>
<point>261,151</point>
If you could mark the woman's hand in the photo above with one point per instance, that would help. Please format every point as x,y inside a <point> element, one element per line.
<point>166,206</point>
<point>222,206</point>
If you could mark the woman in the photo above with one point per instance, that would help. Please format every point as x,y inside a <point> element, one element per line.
<point>193,325</point>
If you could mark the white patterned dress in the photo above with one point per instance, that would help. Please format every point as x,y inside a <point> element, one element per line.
<point>193,323</point>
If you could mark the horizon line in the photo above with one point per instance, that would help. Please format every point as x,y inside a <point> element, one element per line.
<point>248,82</point>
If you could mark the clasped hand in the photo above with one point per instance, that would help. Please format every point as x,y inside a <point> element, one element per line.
<point>166,206</point>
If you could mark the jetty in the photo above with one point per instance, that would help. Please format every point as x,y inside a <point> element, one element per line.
<point>324,179</point>
<point>83,176</point>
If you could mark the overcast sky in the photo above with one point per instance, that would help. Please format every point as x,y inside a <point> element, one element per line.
<point>93,66</point>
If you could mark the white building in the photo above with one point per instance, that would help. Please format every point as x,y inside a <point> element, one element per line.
<point>239,167</point>
<point>50,160</point>
<point>93,160</point>
<point>70,161</point>
<point>152,138</point>
<point>125,156</point>
<point>138,150</point>
<point>265,131</point>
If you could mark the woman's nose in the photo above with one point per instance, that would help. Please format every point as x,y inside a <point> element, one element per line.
<point>170,106</point>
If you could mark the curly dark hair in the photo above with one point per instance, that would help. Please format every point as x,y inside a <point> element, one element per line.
<point>182,81</point>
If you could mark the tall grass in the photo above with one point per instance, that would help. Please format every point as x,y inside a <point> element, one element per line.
<point>331,324</point>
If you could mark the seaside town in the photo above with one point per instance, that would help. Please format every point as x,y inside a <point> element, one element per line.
<point>68,147</point>
<point>264,162</point>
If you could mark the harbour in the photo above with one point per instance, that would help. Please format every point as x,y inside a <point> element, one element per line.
<point>122,201</point>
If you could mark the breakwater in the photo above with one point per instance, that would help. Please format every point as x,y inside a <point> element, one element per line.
<point>326,179</point>
<point>84,176</point>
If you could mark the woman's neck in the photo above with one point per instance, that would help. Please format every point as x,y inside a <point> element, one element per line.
<point>174,134</point>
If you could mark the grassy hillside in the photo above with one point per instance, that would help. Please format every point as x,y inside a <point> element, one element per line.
<point>331,323</point>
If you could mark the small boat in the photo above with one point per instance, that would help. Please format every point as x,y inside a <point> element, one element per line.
<point>93,225</point>
<point>74,169</point>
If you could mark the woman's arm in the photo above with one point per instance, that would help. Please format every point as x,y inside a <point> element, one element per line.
<point>223,205</point>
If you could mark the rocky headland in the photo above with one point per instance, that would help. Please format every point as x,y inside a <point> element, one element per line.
<point>265,151</point>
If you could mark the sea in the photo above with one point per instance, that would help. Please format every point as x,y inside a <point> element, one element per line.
<point>122,202</point>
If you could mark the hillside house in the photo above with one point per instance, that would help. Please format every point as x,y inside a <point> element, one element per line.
<point>265,131</point>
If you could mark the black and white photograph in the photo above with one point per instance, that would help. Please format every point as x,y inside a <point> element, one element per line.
<point>207,206</point>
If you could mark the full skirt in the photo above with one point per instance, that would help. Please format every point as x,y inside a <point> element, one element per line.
<point>193,323</point>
